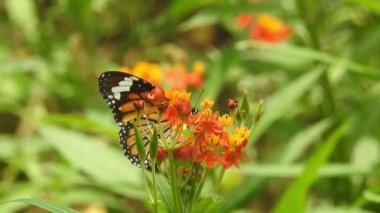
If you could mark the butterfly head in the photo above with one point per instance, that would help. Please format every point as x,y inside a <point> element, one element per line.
<point>194,111</point>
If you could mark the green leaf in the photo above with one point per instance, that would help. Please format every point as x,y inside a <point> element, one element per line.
<point>80,123</point>
<point>209,204</point>
<point>179,9</point>
<point>139,143</point>
<point>244,106</point>
<point>252,186</point>
<point>300,142</point>
<point>370,196</point>
<point>165,193</point>
<point>366,153</point>
<point>282,102</point>
<point>294,199</point>
<point>23,14</point>
<point>17,190</point>
<point>365,119</point>
<point>215,79</point>
<point>294,170</point>
<point>102,162</point>
<point>301,54</point>
<point>373,6</point>
<point>45,205</point>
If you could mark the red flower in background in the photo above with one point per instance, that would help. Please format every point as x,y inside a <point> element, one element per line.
<point>264,27</point>
<point>244,20</point>
<point>179,78</point>
<point>145,70</point>
<point>270,29</point>
<point>176,76</point>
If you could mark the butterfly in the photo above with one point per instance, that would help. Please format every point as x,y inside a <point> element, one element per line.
<point>121,90</point>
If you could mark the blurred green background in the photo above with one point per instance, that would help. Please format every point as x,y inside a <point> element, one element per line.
<point>316,149</point>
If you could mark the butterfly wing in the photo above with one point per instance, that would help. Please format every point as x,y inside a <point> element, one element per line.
<point>119,90</point>
<point>144,127</point>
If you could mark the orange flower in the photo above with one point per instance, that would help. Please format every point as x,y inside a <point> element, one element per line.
<point>157,97</point>
<point>206,124</point>
<point>195,78</point>
<point>244,20</point>
<point>270,29</point>
<point>176,78</point>
<point>179,106</point>
<point>179,78</point>
<point>207,104</point>
<point>208,152</point>
<point>234,145</point>
<point>185,153</point>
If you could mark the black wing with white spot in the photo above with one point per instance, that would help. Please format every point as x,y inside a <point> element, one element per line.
<point>119,90</point>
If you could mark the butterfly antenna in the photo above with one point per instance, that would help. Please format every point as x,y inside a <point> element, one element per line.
<point>199,97</point>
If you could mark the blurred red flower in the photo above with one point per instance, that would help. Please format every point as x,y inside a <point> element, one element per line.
<point>179,78</point>
<point>270,29</point>
<point>185,153</point>
<point>244,20</point>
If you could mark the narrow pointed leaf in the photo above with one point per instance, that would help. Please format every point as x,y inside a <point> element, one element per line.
<point>139,143</point>
<point>45,205</point>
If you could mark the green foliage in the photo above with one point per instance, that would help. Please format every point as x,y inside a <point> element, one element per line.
<point>58,142</point>
<point>45,205</point>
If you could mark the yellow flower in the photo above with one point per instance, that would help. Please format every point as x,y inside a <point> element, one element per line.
<point>225,120</point>
<point>207,104</point>
<point>174,95</point>
<point>240,134</point>
<point>212,140</point>
<point>199,67</point>
<point>145,70</point>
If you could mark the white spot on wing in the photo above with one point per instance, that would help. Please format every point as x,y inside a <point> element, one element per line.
<point>117,96</point>
<point>126,83</point>
<point>119,89</point>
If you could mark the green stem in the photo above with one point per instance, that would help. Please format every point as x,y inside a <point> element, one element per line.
<point>146,181</point>
<point>174,184</point>
<point>198,190</point>
<point>219,180</point>
<point>155,203</point>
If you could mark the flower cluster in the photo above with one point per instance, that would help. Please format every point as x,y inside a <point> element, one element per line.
<point>264,27</point>
<point>187,142</point>
<point>174,76</point>
<point>210,139</point>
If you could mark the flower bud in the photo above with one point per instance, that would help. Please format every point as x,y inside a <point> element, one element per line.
<point>232,103</point>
